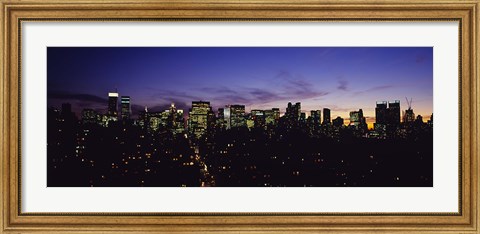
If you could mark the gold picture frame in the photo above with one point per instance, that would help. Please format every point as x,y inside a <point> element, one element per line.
<point>14,12</point>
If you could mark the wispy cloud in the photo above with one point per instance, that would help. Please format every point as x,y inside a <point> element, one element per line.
<point>173,96</point>
<point>342,85</point>
<point>295,86</point>
<point>288,88</point>
<point>374,89</point>
<point>263,95</point>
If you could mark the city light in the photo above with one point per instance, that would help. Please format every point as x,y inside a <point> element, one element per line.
<point>193,117</point>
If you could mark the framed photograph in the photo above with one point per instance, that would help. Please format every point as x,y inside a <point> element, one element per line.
<point>252,116</point>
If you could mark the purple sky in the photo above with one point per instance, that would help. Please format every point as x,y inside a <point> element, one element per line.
<point>340,78</point>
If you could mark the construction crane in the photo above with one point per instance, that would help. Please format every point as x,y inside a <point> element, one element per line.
<point>409,103</point>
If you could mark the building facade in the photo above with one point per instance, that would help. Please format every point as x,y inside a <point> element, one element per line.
<point>198,118</point>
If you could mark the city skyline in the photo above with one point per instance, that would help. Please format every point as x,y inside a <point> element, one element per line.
<point>240,117</point>
<point>233,148</point>
<point>121,114</point>
<point>257,77</point>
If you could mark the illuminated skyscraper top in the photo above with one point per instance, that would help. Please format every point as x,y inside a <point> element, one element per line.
<point>234,116</point>
<point>198,118</point>
<point>126,107</point>
<point>113,104</point>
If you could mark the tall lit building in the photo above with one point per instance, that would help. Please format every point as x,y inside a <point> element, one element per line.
<point>220,118</point>
<point>143,118</point>
<point>293,111</point>
<point>358,122</point>
<point>126,107</point>
<point>178,121</point>
<point>276,114</point>
<point>357,119</point>
<point>234,116</point>
<point>409,116</point>
<point>237,116</point>
<point>172,119</point>
<point>226,116</point>
<point>198,118</point>
<point>303,117</point>
<point>169,117</point>
<point>271,116</point>
<point>211,119</point>
<point>326,116</point>
<point>257,112</point>
<point>259,118</point>
<point>155,121</point>
<point>112,104</point>
<point>315,116</point>
<point>292,114</point>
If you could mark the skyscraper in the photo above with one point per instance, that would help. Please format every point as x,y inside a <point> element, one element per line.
<point>112,104</point>
<point>237,116</point>
<point>381,112</point>
<point>276,114</point>
<point>234,116</point>
<point>387,119</point>
<point>292,114</point>
<point>272,116</point>
<point>259,118</point>
<point>172,119</point>
<point>357,119</point>
<point>358,122</point>
<point>155,121</point>
<point>143,118</point>
<point>178,121</point>
<point>198,118</point>
<point>393,117</point>
<point>126,108</point>
<point>303,117</point>
<point>221,118</point>
<point>409,116</point>
<point>315,116</point>
<point>326,116</point>
<point>226,116</point>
